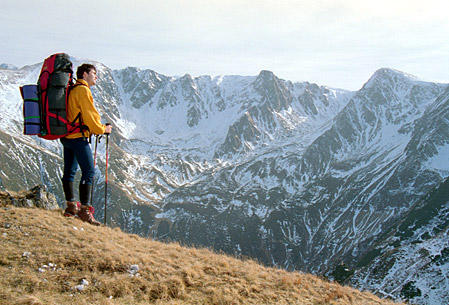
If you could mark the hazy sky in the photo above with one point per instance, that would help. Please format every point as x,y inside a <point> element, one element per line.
<point>338,43</point>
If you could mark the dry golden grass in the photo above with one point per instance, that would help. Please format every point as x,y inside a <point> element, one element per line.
<point>168,273</point>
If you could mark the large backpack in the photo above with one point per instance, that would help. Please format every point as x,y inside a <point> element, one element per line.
<point>45,104</point>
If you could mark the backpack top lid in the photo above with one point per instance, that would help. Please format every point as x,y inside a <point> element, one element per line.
<point>63,63</point>
<point>59,62</point>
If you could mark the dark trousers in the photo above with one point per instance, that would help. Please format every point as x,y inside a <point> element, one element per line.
<point>77,151</point>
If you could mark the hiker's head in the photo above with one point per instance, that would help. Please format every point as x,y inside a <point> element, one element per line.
<point>87,72</point>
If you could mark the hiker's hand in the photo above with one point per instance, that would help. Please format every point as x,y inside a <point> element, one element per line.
<point>108,129</point>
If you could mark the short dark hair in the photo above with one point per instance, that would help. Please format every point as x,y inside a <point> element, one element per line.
<point>84,68</point>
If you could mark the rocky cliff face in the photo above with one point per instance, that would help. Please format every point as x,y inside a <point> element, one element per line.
<point>410,259</point>
<point>37,197</point>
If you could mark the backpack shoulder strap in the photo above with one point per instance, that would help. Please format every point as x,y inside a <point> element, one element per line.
<point>79,84</point>
<point>79,118</point>
<point>76,85</point>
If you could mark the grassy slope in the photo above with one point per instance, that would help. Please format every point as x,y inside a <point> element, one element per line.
<point>168,273</point>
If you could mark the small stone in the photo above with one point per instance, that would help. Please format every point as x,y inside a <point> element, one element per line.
<point>133,270</point>
<point>75,228</point>
<point>41,270</point>
<point>79,287</point>
<point>84,282</point>
<point>26,254</point>
<point>27,203</point>
<point>7,225</point>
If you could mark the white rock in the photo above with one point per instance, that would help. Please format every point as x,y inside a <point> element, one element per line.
<point>75,228</point>
<point>79,287</point>
<point>134,267</point>
<point>84,282</point>
<point>41,270</point>
<point>26,254</point>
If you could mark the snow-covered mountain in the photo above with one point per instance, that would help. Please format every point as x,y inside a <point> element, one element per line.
<point>297,175</point>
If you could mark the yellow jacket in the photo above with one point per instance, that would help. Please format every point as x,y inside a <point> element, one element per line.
<point>81,101</point>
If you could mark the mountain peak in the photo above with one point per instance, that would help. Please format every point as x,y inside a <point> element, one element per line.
<point>393,72</point>
<point>265,78</point>
<point>186,76</point>
<point>132,69</point>
<point>8,67</point>
<point>265,74</point>
<point>388,75</point>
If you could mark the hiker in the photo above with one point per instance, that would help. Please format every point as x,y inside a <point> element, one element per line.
<point>76,146</point>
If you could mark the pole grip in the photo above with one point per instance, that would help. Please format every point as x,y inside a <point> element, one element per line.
<point>107,124</point>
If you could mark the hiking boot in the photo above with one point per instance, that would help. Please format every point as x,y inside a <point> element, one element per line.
<point>86,213</point>
<point>73,207</point>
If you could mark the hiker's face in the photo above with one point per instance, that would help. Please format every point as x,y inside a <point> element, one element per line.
<point>91,77</point>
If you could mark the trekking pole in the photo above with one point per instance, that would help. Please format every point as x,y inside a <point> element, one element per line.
<point>97,139</point>
<point>106,176</point>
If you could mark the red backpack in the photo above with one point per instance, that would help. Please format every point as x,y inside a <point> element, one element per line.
<point>48,118</point>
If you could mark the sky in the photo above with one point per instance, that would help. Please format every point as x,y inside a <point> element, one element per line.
<point>337,43</point>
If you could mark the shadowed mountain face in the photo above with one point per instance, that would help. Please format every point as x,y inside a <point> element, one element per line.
<point>294,174</point>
